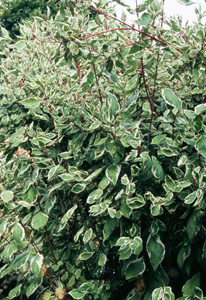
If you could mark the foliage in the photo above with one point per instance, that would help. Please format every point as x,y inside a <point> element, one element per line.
<point>103,171</point>
<point>12,13</point>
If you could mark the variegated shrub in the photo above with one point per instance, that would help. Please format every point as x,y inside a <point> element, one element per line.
<point>103,147</point>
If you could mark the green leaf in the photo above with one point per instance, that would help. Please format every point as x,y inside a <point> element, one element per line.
<point>193,224</point>
<point>112,173</point>
<point>34,284</point>
<point>39,220</point>
<point>125,180</point>
<point>125,253</point>
<point>131,84</point>
<point>191,198</point>
<point>158,139</point>
<point>163,293</point>
<point>190,285</point>
<point>183,254</point>
<point>36,263</point>
<point>201,145</point>
<point>157,169</point>
<point>171,99</point>
<point>3,226</point>
<point>135,202</point>
<point>200,108</point>
<point>18,233</point>
<point>31,195</point>
<point>67,177</point>
<point>109,227</point>
<point>52,172</point>
<point>122,241</point>
<point>77,235</point>
<point>104,182</point>
<point>15,292</point>
<point>167,152</point>
<point>170,183</point>
<point>93,175</point>
<point>78,188</point>
<point>77,294</point>
<point>20,45</point>
<point>113,104</point>
<point>94,195</point>
<point>31,103</point>
<point>85,255</point>
<point>133,100</point>
<point>87,236</point>
<point>144,20</point>
<point>182,161</point>
<point>190,114</point>
<point>155,250</point>
<point>86,286</point>
<point>135,268</point>
<point>7,196</point>
<point>68,214</point>
<point>19,260</point>
<point>125,209</point>
<point>102,260</point>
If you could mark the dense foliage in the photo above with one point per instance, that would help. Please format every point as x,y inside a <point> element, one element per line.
<point>103,147</point>
<point>13,13</point>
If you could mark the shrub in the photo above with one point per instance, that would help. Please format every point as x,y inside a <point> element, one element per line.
<point>103,170</point>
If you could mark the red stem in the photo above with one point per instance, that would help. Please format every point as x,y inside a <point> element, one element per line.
<point>4,297</point>
<point>134,43</point>
<point>132,28</point>
<point>51,247</point>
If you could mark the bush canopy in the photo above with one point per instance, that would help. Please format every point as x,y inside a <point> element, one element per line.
<point>103,156</point>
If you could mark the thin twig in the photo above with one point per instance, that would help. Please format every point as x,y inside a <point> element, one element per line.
<point>4,297</point>
<point>145,84</point>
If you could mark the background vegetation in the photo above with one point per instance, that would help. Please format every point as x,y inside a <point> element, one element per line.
<point>103,175</point>
<point>13,13</point>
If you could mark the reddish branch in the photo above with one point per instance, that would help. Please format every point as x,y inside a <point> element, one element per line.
<point>145,84</point>
<point>79,71</point>
<point>130,27</point>
<point>97,81</point>
<point>4,297</point>
<point>140,41</point>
